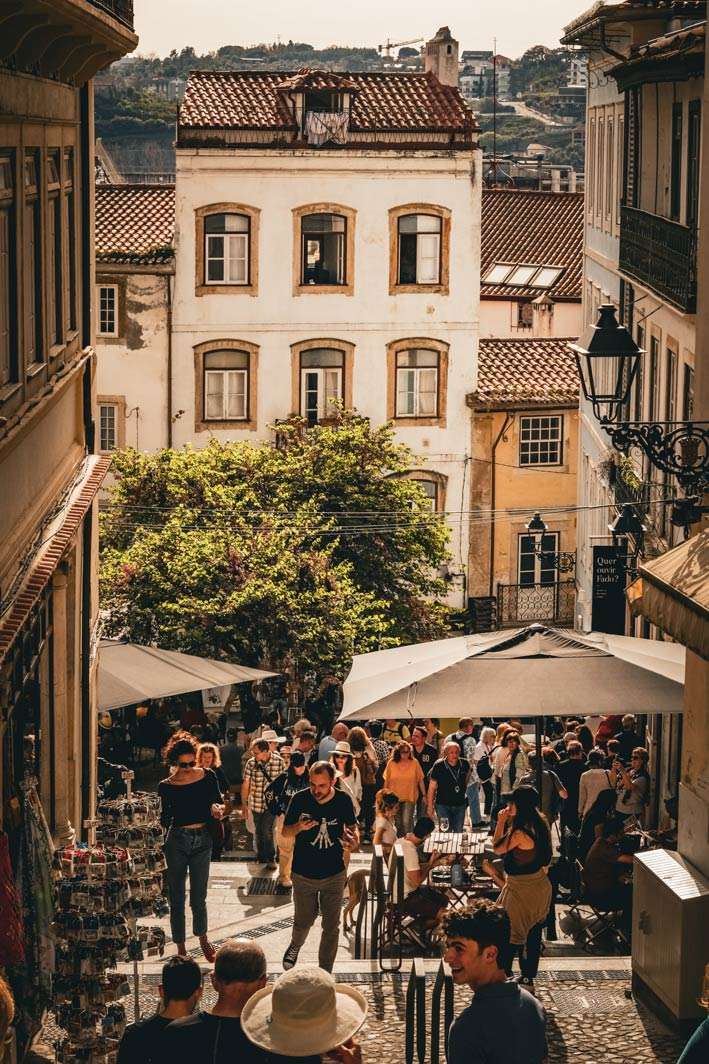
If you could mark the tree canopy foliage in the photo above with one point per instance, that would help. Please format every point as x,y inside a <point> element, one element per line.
<point>292,557</point>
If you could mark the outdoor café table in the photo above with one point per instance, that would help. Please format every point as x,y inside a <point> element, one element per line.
<point>464,843</point>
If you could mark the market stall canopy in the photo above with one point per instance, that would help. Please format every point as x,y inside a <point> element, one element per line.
<point>672,591</point>
<point>129,673</point>
<point>521,672</point>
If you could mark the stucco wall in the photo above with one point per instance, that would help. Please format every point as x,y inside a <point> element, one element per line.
<point>498,319</point>
<point>134,365</point>
<point>370,184</point>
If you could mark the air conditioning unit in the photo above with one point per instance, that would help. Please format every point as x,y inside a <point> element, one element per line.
<point>670,930</point>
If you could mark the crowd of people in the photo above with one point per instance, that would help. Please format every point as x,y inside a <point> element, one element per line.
<point>310,800</point>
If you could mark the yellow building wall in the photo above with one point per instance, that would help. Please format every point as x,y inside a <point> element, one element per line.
<point>507,486</point>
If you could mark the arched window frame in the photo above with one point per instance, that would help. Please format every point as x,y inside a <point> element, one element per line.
<point>409,343</point>
<point>442,287</point>
<point>202,287</point>
<point>350,216</point>
<point>439,479</point>
<point>202,424</point>
<point>300,348</point>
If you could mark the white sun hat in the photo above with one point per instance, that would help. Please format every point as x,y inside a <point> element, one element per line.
<point>304,1013</point>
<point>270,736</point>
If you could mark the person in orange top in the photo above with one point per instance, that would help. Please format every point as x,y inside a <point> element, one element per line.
<point>404,776</point>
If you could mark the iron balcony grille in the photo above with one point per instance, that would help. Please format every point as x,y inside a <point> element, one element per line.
<point>521,604</point>
<point>122,10</point>
<point>660,254</point>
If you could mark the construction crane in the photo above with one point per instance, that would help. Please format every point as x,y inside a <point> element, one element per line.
<point>386,48</point>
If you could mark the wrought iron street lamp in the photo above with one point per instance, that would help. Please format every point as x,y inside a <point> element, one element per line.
<point>608,360</point>
<point>563,561</point>
<point>628,526</point>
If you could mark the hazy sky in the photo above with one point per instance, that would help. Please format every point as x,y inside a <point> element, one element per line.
<point>208,24</point>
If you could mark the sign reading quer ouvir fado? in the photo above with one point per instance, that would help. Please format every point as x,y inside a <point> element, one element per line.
<point>608,602</point>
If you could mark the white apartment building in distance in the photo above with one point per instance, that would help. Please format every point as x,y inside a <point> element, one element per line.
<point>327,242</point>
<point>642,204</point>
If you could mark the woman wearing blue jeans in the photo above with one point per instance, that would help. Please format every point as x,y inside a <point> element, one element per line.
<point>190,799</point>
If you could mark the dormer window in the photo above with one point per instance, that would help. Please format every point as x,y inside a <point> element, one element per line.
<point>324,101</point>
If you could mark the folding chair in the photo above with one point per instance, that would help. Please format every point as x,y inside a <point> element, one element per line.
<point>606,921</point>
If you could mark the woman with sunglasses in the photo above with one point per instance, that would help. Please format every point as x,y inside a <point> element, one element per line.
<point>190,798</point>
<point>347,773</point>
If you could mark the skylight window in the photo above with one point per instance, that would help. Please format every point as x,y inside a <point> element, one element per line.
<point>546,277</point>
<point>497,274</point>
<point>522,275</point>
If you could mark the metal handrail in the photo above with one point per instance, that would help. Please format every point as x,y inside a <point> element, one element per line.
<point>416,1013</point>
<point>389,917</point>
<point>122,10</point>
<point>360,935</point>
<point>661,254</point>
<point>442,987</point>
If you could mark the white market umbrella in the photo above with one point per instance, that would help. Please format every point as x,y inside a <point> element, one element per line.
<point>130,673</point>
<point>522,672</point>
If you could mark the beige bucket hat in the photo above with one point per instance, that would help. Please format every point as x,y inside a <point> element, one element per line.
<point>304,1013</point>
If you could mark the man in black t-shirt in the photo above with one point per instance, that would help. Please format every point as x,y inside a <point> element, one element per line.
<point>447,787</point>
<point>322,820</point>
<point>180,990</point>
<point>216,1036</point>
<point>426,755</point>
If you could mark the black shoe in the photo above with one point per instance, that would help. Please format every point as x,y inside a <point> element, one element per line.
<point>290,957</point>
<point>527,983</point>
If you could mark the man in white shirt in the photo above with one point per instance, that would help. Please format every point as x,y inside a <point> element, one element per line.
<point>415,873</point>
<point>463,737</point>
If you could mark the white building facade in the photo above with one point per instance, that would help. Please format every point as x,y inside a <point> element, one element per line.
<point>327,229</point>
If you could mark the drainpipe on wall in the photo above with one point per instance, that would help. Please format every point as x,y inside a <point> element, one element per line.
<point>505,425</point>
<point>168,281</point>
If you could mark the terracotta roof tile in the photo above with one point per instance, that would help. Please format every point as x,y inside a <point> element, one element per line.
<point>135,223</point>
<point>527,373</point>
<point>533,229</point>
<point>258,100</point>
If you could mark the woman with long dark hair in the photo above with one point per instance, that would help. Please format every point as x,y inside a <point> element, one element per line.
<point>190,799</point>
<point>523,839</point>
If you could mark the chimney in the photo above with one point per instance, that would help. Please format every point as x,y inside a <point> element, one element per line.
<point>442,57</point>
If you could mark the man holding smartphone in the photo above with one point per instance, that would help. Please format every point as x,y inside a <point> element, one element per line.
<point>322,820</point>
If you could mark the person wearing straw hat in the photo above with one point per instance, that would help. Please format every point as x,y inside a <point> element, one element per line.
<point>306,1015</point>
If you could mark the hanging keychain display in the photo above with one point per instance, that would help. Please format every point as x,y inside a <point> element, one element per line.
<point>103,888</point>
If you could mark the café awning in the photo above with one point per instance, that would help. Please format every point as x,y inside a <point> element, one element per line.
<point>672,591</point>
<point>522,672</point>
<point>129,673</point>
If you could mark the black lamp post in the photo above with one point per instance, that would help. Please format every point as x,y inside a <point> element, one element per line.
<point>608,360</point>
<point>563,562</point>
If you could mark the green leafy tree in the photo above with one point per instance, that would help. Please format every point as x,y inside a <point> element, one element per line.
<point>292,557</point>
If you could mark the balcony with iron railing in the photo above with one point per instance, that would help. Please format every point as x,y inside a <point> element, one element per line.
<point>121,10</point>
<point>660,254</point>
<point>522,604</point>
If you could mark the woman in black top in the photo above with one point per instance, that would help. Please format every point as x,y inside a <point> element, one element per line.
<point>190,800</point>
<point>522,838</point>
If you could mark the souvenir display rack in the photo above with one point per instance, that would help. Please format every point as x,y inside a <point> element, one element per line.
<point>104,887</point>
